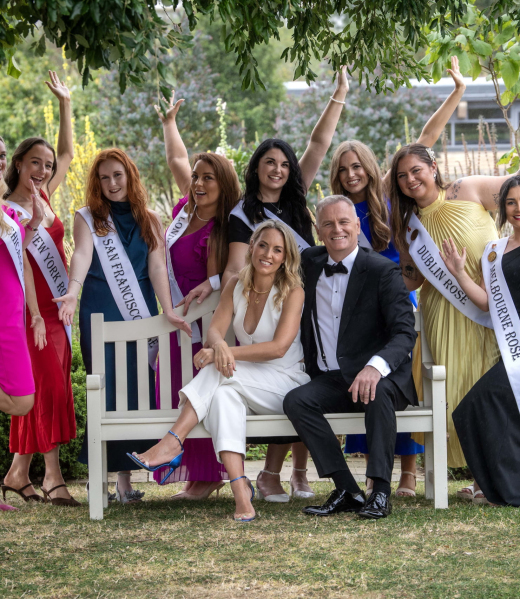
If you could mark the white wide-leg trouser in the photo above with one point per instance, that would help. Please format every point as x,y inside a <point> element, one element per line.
<point>222,404</point>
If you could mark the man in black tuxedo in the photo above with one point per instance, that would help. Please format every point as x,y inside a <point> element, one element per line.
<point>357,332</point>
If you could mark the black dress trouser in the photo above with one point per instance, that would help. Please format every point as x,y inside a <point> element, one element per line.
<point>305,407</point>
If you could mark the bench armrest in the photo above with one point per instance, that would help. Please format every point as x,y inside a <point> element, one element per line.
<point>434,372</point>
<point>95,382</point>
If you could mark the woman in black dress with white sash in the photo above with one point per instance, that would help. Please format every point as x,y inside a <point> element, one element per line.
<point>488,418</point>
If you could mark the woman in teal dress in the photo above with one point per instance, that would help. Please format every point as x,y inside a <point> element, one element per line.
<point>115,195</point>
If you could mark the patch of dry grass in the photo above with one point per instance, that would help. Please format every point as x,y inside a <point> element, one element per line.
<point>194,550</point>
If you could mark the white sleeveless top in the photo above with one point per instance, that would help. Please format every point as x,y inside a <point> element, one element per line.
<point>265,331</point>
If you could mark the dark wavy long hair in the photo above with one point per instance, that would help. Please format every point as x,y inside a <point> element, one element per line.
<point>229,197</point>
<point>403,206</point>
<point>11,176</point>
<point>507,186</point>
<point>292,198</point>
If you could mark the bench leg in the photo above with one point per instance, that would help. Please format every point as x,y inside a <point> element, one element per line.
<point>428,465</point>
<point>95,455</point>
<point>440,446</point>
<point>95,477</point>
<point>104,473</point>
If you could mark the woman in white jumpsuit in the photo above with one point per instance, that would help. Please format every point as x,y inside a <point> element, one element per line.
<point>264,303</point>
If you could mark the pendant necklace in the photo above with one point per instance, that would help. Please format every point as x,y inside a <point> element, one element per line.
<point>275,206</point>
<point>257,300</point>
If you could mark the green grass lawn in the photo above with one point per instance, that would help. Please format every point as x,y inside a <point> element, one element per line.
<point>169,549</point>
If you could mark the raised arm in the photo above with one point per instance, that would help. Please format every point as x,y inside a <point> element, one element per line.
<point>455,264</point>
<point>65,150</point>
<point>321,136</point>
<point>436,123</point>
<point>159,277</point>
<point>176,153</point>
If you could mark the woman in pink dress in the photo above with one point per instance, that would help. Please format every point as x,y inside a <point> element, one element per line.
<point>211,191</point>
<point>16,379</point>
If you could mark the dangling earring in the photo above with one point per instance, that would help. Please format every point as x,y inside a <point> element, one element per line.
<point>18,170</point>
<point>435,175</point>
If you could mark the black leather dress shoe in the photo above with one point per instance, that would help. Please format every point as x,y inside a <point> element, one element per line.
<point>338,501</point>
<point>377,506</point>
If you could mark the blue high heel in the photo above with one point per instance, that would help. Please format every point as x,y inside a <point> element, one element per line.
<point>241,517</point>
<point>173,464</point>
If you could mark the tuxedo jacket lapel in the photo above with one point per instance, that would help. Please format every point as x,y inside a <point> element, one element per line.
<point>311,280</point>
<point>355,285</point>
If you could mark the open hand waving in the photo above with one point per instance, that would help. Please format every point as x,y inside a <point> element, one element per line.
<point>59,89</point>
<point>171,111</point>
<point>456,74</point>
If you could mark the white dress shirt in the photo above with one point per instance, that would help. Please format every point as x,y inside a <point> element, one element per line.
<point>330,295</point>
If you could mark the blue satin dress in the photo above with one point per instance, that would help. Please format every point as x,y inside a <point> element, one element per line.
<point>404,444</point>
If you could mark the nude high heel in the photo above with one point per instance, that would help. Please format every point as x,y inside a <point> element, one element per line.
<point>278,498</point>
<point>212,486</point>
<point>299,493</point>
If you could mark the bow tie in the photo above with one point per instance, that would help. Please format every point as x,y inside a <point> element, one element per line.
<point>335,269</point>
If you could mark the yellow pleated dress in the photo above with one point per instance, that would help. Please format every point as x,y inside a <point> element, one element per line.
<point>468,350</point>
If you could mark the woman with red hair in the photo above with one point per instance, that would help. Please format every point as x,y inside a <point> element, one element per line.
<point>117,216</point>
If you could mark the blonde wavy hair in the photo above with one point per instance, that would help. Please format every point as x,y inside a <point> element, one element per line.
<point>287,277</point>
<point>376,203</point>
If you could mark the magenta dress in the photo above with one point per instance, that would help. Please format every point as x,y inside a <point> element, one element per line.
<point>16,377</point>
<point>189,257</point>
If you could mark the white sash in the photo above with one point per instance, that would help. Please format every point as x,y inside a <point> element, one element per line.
<point>503,312</point>
<point>425,254</point>
<point>43,249</point>
<point>238,211</point>
<point>13,241</point>
<point>121,278</point>
<point>174,232</point>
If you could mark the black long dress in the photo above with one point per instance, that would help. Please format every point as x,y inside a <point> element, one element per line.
<point>488,419</point>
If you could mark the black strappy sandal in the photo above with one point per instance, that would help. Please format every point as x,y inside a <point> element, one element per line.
<point>71,502</point>
<point>34,497</point>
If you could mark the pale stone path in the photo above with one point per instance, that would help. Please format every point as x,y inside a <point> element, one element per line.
<point>252,468</point>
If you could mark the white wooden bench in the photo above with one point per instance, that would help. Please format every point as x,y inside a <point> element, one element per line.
<point>144,423</point>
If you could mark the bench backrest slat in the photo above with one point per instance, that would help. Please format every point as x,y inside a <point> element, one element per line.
<point>143,375</point>
<point>121,377</point>
<point>186,359</point>
<point>164,372</point>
